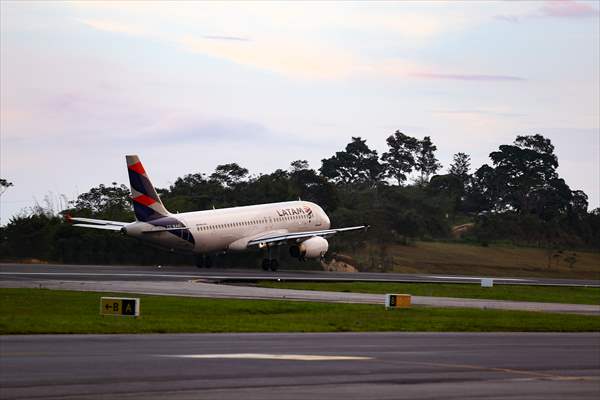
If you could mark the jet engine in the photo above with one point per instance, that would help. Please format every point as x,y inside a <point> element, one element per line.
<point>315,247</point>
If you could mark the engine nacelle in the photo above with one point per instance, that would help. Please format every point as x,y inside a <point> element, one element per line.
<point>315,247</point>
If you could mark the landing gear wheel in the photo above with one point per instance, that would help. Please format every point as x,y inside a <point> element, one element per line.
<point>266,264</point>
<point>203,261</point>
<point>270,264</point>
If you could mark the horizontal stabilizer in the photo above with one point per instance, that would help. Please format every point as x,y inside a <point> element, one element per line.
<point>107,227</point>
<point>96,221</point>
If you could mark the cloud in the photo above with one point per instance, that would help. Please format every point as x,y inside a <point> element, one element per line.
<point>280,42</point>
<point>497,113</point>
<point>571,9</point>
<point>236,38</point>
<point>568,9</point>
<point>186,129</point>
<point>112,26</point>
<point>508,18</point>
<point>288,57</point>
<point>285,56</point>
<point>466,77</point>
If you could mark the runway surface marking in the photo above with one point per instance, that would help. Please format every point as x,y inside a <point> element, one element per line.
<point>258,356</point>
<point>474,278</point>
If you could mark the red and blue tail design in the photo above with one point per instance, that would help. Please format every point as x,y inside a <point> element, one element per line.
<point>146,203</point>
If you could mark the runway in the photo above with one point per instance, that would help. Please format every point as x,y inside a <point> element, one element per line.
<point>171,282</point>
<point>181,273</point>
<point>302,366</point>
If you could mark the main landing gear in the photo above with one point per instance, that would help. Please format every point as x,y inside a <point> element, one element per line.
<point>203,261</point>
<point>270,264</point>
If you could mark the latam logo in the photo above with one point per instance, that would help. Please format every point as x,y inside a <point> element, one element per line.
<point>284,212</point>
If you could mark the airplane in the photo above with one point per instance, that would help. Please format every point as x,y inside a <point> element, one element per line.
<point>302,226</point>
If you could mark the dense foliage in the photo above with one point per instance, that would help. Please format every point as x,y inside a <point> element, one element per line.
<point>519,198</point>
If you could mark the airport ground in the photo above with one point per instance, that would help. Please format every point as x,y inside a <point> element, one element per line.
<point>293,365</point>
<point>189,281</point>
<point>26,311</point>
<point>301,366</point>
<point>496,260</point>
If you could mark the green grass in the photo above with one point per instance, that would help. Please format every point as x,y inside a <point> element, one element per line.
<point>547,294</point>
<point>24,311</point>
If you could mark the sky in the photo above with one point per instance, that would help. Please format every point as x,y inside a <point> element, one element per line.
<point>191,85</point>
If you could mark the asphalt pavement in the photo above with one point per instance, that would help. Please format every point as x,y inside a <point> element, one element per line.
<point>174,282</point>
<point>161,273</point>
<point>302,366</point>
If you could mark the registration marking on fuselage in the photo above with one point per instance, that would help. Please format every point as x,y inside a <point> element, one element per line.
<point>260,356</point>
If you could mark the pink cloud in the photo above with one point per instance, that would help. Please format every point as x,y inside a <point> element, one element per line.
<point>466,77</point>
<point>568,9</point>
<point>556,9</point>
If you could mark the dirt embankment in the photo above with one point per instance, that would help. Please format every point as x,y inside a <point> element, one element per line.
<point>459,259</point>
<point>340,263</point>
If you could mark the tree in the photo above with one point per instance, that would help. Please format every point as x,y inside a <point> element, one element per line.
<point>4,184</point>
<point>481,194</point>
<point>526,174</point>
<point>110,202</point>
<point>308,185</point>
<point>358,164</point>
<point>189,185</point>
<point>400,158</point>
<point>229,174</point>
<point>461,163</point>
<point>298,165</point>
<point>425,160</point>
<point>449,187</point>
<point>579,202</point>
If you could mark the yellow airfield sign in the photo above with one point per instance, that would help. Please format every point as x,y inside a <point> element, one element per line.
<point>397,301</point>
<point>122,306</point>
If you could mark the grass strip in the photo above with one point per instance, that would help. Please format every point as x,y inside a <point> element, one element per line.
<point>545,294</point>
<point>26,311</point>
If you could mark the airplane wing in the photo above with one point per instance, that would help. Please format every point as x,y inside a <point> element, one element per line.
<point>298,236</point>
<point>161,229</point>
<point>97,223</point>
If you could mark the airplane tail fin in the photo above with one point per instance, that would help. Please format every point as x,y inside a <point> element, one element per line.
<point>146,203</point>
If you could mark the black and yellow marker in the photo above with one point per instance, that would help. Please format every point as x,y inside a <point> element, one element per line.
<point>122,306</point>
<point>397,301</point>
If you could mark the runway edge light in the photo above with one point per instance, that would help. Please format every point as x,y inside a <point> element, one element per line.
<point>397,301</point>
<point>120,306</point>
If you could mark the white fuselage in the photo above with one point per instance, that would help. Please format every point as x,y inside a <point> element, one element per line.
<point>230,229</point>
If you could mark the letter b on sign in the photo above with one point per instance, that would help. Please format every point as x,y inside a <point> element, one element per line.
<point>120,306</point>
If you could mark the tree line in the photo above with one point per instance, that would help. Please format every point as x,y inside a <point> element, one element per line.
<point>403,194</point>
